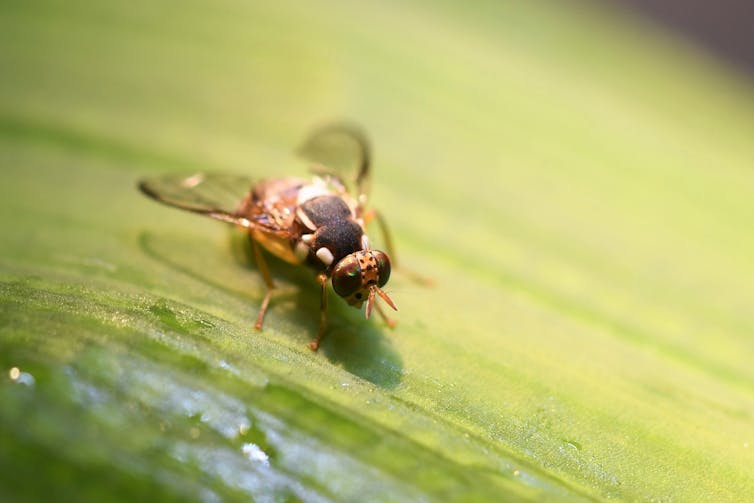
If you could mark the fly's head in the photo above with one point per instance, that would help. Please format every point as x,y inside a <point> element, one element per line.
<point>358,277</point>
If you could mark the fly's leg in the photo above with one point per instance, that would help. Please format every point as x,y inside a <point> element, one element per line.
<point>322,280</point>
<point>262,265</point>
<point>390,249</point>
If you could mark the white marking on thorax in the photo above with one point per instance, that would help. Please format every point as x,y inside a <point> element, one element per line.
<point>304,218</point>
<point>364,242</point>
<point>301,251</point>
<point>325,256</point>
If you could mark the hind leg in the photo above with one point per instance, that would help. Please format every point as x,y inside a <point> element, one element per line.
<point>372,214</point>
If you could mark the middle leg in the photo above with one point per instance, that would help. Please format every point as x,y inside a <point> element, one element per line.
<point>322,280</point>
<point>269,283</point>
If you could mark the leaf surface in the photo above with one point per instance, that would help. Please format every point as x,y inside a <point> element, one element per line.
<point>577,184</point>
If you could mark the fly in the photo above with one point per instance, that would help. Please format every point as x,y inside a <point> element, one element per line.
<point>315,222</point>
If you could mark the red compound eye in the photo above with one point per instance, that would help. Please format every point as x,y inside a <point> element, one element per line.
<point>346,277</point>
<point>383,266</point>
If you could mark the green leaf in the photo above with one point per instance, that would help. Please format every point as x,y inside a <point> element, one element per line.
<point>578,185</point>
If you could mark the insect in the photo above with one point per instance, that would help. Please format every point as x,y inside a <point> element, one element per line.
<point>315,222</point>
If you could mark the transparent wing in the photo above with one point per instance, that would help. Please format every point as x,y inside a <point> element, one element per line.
<point>340,149</point>
<point>216,195</point>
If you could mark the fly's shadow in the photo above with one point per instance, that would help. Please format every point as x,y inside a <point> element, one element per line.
<point>361,347</point>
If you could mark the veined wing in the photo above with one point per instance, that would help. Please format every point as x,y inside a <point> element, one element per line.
<point>216,195</point>
<point>342,150</point>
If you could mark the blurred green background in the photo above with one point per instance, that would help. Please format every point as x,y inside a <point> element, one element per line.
<point>577,182</point>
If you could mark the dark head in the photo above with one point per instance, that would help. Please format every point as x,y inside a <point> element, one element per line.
<point>358,276</point>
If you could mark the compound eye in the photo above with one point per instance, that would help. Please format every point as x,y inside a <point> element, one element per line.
<point>383,266</point>
<point>346,277</point>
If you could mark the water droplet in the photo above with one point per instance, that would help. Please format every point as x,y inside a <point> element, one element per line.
<point>16,375</point>
<point>573,444</point>
<point>255,453</point>
<point>204,323</point>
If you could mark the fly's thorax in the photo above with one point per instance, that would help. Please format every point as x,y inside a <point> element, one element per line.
<point>322,210</point>
<point>326,231</point>
<point>355,274</point>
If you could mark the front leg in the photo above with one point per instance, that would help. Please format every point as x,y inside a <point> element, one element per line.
<point>322,280</point>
